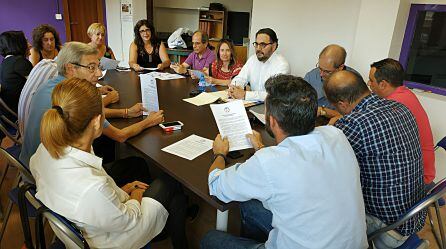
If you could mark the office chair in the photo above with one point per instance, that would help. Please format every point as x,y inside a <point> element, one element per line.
<point>431,199</point>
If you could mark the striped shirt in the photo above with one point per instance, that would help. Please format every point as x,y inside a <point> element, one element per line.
<point>384,136</point>
<point>44,70</point>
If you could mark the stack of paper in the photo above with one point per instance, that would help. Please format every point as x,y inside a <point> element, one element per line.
<point>190,147</point>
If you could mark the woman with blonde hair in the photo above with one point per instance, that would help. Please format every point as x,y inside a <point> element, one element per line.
<point>96,32</point>
<point>71,181</point>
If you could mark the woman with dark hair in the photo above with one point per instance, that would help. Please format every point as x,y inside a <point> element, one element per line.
<point>145,50</point>
<point>46,43</point>
<point>226,66</point>
<point>14,69</point>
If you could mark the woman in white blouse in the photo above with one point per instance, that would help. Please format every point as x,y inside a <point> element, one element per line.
<point>72,182</point>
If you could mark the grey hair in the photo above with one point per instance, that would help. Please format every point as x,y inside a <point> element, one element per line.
<point>72,52</point>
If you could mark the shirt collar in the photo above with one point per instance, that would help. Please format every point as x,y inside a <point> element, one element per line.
<point>400,89</point>
<point>364,102</point>
<point>205,54</point>
<point>88,158</point>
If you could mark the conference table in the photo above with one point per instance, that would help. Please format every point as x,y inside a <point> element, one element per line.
<point>198,120</point>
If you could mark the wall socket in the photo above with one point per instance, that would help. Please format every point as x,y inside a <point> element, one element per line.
<point>58,16</point>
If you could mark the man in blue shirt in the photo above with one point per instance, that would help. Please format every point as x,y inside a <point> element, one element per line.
<point>384,136</point>
<point>331,59</point>
<point>304,192</point>
<point>78,60</point>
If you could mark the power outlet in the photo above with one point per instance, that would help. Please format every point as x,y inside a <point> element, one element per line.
<point>58,16</point>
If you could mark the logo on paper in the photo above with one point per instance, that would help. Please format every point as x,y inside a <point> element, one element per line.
<point>227,109</point>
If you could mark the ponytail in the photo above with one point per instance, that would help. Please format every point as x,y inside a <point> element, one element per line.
<point>75,103</point>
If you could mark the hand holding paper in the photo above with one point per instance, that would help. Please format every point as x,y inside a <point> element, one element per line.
<point>232,122</point>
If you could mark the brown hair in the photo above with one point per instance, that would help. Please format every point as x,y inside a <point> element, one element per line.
<point>231,48</point>
<point>40,31</point>
<point>75,103</point>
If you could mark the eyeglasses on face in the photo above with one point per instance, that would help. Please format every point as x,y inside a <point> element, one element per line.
<point>326,72</point>
<point>262,45</point>
<point>91,67</point>
<point>145,31</point>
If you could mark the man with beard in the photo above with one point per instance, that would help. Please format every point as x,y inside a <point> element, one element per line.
<point>259,67</point>
<point>284,189</point>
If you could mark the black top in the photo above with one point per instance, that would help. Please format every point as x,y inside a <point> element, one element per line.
<point>149,60</point>
<point>13,71</point>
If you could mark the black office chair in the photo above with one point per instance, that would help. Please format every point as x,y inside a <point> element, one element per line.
<point>431,199</point>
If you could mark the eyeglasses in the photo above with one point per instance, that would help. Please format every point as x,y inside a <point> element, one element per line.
<point>326,72</point>
<point>262,45</point>
<point>145,31</point>
<point>91,67</point>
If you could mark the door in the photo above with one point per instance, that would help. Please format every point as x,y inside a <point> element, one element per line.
<point>79,14</point>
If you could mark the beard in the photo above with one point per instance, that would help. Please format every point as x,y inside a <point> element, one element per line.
<point>268,127</point>
<point>261,56</point>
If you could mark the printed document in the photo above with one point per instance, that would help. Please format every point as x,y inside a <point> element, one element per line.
<point>149,93</point>
<point>203,98</point>
<point>232,122</point>
<point>190,147</point>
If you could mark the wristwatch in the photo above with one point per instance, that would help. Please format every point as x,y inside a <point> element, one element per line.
<point>323,112</point>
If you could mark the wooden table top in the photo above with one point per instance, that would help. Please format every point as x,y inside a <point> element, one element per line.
<point>197,120</point>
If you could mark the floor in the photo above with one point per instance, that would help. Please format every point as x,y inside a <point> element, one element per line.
<point>205,221</point>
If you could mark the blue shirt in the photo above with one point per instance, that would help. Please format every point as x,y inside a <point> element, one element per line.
<point>310,184</point>
<point>384,136</point>
<point>40,103</point>
<point>314,78</point>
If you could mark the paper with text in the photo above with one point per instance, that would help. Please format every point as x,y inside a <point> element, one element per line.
<point>203,98</point>
<point>149,94</point>
<point>190,147</point>
<point>232,122</point>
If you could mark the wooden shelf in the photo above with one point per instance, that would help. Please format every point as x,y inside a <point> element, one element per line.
<point>210,20</point>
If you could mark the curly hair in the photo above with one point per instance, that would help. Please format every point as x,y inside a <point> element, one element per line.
<point>138,40</point>
<point>40,31</point>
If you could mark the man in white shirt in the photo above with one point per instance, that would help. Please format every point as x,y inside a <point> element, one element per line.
<point>259,67</point>
<point>304,192</point>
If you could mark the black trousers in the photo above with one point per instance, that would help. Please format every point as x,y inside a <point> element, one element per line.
<point>164,189</point>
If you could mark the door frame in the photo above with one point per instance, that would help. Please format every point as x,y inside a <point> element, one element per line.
<point>67,19</point>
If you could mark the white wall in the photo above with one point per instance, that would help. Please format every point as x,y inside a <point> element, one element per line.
<point>368,30</point>
<point>170,15</point>
<point>305,27</point>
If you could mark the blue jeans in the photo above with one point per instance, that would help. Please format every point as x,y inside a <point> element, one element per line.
<point>256,225</point>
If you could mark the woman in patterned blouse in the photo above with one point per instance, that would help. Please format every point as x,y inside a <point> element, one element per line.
<point>225,67</point>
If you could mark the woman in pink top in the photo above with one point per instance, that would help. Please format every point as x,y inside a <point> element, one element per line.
<point>386,80</point>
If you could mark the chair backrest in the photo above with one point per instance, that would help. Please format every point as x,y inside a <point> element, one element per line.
<point>26,173</point>
<point>65,230</point>
<point>6,108</point>
<point>436,193</point>
<point>14,137</point>
<point>441,144</point>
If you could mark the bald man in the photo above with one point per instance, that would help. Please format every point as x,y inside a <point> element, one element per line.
<point>331,59</point>
<point>384,137</point>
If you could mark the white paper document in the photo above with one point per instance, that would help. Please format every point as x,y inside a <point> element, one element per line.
<point>149,93</point>
<point>150,68</point>
<point>107,63</point>
<point>190,147</point>
<point>259,116</point>
<point>103,74</point>
<point>203,98</point>
<point>232,122</point>
<point>164,76</point>
<point>223,95</point>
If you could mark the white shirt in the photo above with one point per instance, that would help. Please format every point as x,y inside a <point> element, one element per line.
<point>77,187</point>
<point>256,73</point>
<point>310,184</point>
